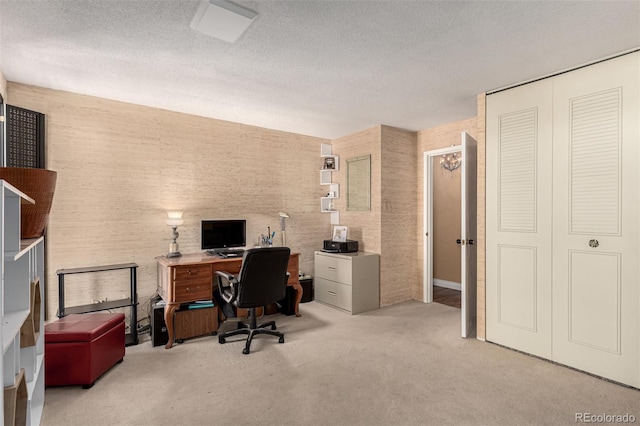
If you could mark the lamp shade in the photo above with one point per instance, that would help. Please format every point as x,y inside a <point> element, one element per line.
<point>175,218</point>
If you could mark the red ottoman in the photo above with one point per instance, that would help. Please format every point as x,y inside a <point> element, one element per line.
<point>79,348</point>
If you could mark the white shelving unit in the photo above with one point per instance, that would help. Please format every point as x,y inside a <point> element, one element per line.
<point>330,164</point>
<point>22,269</point>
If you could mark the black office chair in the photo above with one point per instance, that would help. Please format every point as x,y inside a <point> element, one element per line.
<point>262,280</point>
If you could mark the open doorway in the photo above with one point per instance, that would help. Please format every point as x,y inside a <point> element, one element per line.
<point>449,248</point>
<point>446,229</point>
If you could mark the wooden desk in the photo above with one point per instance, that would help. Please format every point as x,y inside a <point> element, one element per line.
<point>191,277</point>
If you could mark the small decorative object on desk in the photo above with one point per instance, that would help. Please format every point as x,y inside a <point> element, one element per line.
<point>339,233</point>
<point>267,240</point>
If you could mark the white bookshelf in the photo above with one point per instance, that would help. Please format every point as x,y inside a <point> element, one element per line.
<point>330,164</point>
<point>22,263</point>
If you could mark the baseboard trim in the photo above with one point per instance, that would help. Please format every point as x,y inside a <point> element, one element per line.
<point>447,284</point>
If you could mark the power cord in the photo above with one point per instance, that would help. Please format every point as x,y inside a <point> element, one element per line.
<point>146,306</point>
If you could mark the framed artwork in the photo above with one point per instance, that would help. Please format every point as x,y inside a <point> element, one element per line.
<point>339,233</point>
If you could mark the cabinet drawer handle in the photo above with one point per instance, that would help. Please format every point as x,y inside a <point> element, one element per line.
<point>333,293</point>
<point>189,290</point>
<point>190,272</point>
<point>331,268</point>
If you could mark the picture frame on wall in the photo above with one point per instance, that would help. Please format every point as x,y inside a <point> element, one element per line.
<point>339,234</point>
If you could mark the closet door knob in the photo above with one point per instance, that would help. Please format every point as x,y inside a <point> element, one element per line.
<point>593,243</point>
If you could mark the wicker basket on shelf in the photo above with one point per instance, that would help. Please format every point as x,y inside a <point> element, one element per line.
<point>38,184</point>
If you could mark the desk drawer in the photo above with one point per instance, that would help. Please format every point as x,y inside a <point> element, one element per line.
<point>233,267</point>
<point>189,272</point>
<point>333,268</point>
<point>230,267</point>
<point>194,289</point>
<point>333,293</point>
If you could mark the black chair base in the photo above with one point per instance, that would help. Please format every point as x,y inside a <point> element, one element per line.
<point>252,329</point>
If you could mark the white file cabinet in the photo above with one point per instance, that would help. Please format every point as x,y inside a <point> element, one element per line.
<point>348,281</point>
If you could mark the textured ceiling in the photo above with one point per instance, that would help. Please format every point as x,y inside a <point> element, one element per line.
<point>322,68</point>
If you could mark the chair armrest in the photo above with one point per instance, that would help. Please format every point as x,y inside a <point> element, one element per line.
<point>226,275</point>
<point>228,293</point>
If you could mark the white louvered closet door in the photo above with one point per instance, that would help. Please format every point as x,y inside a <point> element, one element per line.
<point>518,221</point>
<point>596,275</point>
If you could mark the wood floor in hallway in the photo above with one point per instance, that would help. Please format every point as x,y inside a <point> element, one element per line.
<point>446,296</point>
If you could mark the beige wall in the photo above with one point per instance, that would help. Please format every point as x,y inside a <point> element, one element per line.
<point>397,195</point>
<point>399,230</point>
<point>363,226</point>
<point>446,224</point>
<point>390,227</point>
<point>216,169</point>
<point>121,167</point>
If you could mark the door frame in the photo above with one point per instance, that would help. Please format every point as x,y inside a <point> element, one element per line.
<point>427,217</point>
<point>466,240</point>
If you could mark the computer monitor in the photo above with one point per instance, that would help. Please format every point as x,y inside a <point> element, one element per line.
<point>221,234</point>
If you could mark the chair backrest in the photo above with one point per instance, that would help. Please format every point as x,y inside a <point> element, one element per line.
<point>263,276</point>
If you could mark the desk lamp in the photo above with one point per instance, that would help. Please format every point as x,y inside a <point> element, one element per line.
<point>174,220</point>
<point>283,216</point>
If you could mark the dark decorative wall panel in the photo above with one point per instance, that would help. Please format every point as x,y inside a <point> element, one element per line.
<point>25,138</point>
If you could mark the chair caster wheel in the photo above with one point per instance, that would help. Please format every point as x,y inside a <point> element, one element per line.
<point>179,341</point>
<point>245,351</point>
<point>221,339</point>
<point>215,333</point>
<point>281,339</point>
<point>273,327</point>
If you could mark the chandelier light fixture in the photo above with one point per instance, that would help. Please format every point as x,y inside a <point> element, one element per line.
<point>450,162</point>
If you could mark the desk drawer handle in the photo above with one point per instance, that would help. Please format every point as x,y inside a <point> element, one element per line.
<point>190,272</point>
<point>333,293</point>
<point>197,289</point>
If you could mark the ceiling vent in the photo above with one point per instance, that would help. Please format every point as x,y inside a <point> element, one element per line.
<point>222,19</point>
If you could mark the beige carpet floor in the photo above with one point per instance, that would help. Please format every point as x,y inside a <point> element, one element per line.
<point>400,365</point>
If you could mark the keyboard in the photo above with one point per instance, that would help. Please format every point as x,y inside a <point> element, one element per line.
<point>226,253</point>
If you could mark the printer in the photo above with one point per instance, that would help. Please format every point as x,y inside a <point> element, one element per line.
<point>349,246</point>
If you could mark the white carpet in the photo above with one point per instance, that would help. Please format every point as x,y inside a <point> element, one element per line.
<point>400,365</point>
